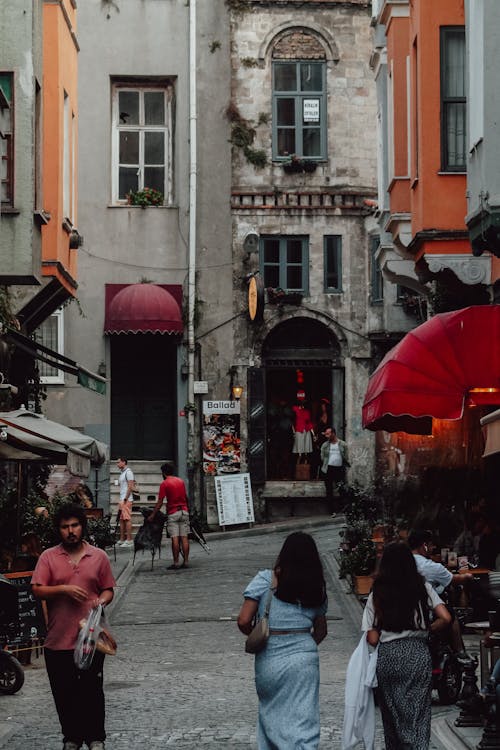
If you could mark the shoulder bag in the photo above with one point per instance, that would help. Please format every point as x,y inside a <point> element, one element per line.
<point>257,639</point>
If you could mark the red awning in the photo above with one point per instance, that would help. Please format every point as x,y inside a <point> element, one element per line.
<point>143,308</point>
<point>435,369</point>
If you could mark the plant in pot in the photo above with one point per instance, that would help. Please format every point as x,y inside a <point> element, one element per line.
<point>296,164</point>
<point>359,564</point>
<point>146,197</point>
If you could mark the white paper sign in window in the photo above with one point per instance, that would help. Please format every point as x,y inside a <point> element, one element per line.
<point>311,110</point>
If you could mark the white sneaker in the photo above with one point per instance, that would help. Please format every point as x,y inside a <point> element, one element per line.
<point>97,745</point>
<point>128,543</point>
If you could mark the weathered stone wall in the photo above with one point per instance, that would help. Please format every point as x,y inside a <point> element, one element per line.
<point>339,33</point>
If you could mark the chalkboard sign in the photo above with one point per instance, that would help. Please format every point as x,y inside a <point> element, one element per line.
<point>31,619</point>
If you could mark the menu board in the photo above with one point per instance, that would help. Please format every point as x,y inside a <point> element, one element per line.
<point>31,619</point>
<point>234,499</point>
<point>221,437</point>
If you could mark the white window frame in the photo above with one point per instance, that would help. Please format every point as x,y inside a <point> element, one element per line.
<point>59,378</point>
<point>116,128</point>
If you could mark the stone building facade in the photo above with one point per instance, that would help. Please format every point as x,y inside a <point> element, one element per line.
<point>303,127</point>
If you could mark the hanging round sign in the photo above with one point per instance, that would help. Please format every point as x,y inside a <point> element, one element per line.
<point>255,299</point>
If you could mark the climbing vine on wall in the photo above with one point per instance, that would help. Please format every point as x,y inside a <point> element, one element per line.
<point>243,135</point>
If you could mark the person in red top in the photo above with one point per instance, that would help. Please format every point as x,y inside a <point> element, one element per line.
<point>73,577</point>
<point>173,490</point>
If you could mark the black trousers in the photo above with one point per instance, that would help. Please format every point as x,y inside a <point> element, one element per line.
<point>78,695</point>
<point>335,475</point>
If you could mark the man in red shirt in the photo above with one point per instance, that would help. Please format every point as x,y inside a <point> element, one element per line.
<point>173,490</point>
<point>73,577</point>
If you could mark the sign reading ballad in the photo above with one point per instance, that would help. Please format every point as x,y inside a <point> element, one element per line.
<point>311,110</point>
<point>234,499</point>
<point>221,437</point>
<point>31,620</point>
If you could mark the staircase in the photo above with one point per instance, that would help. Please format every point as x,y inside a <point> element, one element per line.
<point>148,476</point>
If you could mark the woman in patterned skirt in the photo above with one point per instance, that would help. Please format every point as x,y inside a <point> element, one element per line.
<point>399,613</point>
<point>287,669</point>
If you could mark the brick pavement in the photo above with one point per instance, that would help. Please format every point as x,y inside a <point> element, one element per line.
<point>181,678</point>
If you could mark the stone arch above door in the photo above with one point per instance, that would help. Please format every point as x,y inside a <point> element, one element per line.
<point>301,338</point>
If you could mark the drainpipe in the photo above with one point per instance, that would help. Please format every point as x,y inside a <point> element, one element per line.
<point>193,174</point>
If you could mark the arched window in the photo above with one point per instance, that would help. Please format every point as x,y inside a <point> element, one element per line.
<point>299,97</point>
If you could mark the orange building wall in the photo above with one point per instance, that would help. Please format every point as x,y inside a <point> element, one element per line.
<point>438,200</point>
<point>60,74</point>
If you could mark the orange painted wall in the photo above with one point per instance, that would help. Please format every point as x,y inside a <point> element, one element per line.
<point>438,200</point>
<point>60,75</point>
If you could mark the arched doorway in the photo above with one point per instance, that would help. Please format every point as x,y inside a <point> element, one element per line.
<point>301,365</point>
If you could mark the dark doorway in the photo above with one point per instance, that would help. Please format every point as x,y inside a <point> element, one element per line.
<point>143,396</point>
<point>302,366</point>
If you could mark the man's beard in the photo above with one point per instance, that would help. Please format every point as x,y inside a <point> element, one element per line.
<point>72,542</point>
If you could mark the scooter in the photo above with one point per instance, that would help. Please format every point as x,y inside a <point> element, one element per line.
<point>11,671</point>
<point>447,671</point>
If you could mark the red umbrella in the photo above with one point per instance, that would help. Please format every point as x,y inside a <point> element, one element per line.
<point>449,360</point>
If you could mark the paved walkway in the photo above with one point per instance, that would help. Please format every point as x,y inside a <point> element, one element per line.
<point>181,678</point>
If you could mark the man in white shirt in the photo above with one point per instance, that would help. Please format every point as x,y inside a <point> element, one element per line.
<point>440,578</point>
<point>334,461</point>
<point>126,484</point>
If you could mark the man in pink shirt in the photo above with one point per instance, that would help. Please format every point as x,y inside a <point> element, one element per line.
<point>173,490</point>
<point>73,577</point>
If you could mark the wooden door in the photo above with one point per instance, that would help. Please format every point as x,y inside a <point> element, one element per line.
<point>143,396</point>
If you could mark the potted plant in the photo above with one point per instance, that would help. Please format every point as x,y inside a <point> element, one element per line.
<point>295,164</point>
<point>277,296</point>
<point>146,197</point>
<point>359,564</point>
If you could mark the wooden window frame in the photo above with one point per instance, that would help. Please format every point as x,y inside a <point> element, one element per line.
<point>283,262</point>
<point>445,33</point>
<point>298,97</point>
<point>332,251</point>
<point>57,379</point>
<point>117,128</point>
<point>7,141</point>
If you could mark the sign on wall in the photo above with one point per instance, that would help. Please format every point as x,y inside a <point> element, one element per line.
<point>311,110</point>
<point>234,499</point>
<point>221,437</point>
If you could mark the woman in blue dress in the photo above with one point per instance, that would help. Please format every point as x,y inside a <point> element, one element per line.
<point>287,669</point>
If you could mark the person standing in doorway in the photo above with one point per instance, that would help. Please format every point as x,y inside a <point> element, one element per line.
<point>74,577</point>
<point>334,461</point>
<point>126,484</point>
<point>173,490</point>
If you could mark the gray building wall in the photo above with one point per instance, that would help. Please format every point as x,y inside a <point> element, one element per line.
<point>21,54</point>
<point>126,244</point>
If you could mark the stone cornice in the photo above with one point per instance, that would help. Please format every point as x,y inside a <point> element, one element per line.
<point>467,269</point>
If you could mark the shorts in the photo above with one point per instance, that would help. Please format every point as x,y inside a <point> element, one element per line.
<point>178,523</point>
<point>125,507</point>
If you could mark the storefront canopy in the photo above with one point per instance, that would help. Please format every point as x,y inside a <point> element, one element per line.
<point>143,308</point>
<point>28,436</point>
<point>435,370</point>
<point>85,377</point>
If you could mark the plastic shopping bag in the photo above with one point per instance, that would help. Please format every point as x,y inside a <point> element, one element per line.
<point>87,638</point>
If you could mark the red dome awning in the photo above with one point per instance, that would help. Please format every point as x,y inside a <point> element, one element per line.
<point>143,308</point>
<point>449,360</point>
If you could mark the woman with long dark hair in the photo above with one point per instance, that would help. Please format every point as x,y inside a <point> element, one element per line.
<point>399,614</point>
<point>287,669</point>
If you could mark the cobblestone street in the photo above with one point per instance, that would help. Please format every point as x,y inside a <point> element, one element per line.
<point>181,678</point>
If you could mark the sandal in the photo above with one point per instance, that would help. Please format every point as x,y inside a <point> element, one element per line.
<point>173,567</point>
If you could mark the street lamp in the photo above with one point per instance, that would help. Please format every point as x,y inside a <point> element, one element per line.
<point>237,391</point>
